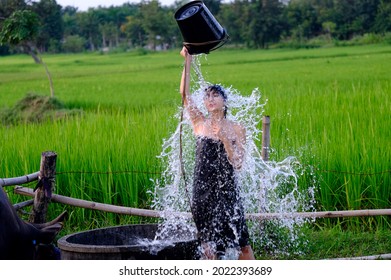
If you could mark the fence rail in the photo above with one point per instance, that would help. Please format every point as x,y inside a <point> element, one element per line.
<point>156,214</point>
<point>42,196</point>
<point>19,180</point>
<point>94,205</point>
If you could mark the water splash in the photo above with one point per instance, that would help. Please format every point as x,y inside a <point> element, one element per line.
<point>154,246</point>
<point>265,187</point>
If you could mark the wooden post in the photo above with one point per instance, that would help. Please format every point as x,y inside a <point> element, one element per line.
<point>44,188</point>
<point>265,138</point>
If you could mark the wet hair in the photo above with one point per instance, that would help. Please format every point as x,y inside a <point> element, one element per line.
<point>220,90</point>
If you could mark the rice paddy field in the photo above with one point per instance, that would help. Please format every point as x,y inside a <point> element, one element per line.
<point>329,107</point>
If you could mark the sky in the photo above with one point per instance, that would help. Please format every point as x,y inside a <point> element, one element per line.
<point>83,5</point>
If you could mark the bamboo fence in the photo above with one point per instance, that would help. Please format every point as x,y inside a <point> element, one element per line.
<point>47,170</point>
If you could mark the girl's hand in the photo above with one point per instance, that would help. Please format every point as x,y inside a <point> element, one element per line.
<point>215,129</point>
<point>186,55</point>
<point>184,52</point>
<point>219,130</point>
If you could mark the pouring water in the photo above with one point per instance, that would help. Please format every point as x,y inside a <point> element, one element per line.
<point>265,187</point>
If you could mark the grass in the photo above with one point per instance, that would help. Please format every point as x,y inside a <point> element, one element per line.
<point>335,243</point>
<point>329,107</point>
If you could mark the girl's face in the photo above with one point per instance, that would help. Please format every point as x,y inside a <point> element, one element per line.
<point>214,101</point>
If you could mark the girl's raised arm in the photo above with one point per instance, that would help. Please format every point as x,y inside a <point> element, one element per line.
<point>195,114</point>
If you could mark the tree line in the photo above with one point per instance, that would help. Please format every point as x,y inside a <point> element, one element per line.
<point>150,25</point>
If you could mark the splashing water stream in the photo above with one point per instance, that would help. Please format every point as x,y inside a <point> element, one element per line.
<point>265,187</point>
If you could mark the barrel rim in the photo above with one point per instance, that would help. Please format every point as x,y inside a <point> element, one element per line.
<point>185,6</point>
<point>64,245</point>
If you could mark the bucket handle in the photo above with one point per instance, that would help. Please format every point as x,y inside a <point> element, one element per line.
<point>222,42</point>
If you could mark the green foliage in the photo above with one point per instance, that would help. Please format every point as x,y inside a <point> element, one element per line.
<point>255,24</point>
<point>329,107</point>
<point>73,44</point>
<point>336,243</point>
<point>19,28</point>
<point>7,7</point>
<point>51,29</point>
<point>364,39</point>
<point>150,25</point>
<point>383,17</point>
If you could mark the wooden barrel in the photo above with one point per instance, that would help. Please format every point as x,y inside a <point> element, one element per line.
<point>129,242</point>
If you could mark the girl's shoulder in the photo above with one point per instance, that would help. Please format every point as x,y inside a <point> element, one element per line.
<point>236,126</point>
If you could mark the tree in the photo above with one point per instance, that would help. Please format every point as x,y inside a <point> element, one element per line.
<point>328,28</point>
<point>345,12</point>
<point>69,21</point>
<point>365,16</point>
<point>302,16</point>
<point>21,29</point>
<point>233,18</point>
<point>73,44</point>
<point>133,30</point>
<point>263,22</point>
<point>109,34</point>
<point>383,17</point>
<point>154,21</point>
<point>7,7</point>
<point>88,23</point>
<point>173,36</point>
<point>273,21</point>
<point>52,26</point>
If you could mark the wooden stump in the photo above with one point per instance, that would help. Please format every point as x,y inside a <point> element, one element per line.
<point>44,188</point>
<point>265,138</point>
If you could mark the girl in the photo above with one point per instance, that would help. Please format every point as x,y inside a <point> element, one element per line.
<point>216,206</point>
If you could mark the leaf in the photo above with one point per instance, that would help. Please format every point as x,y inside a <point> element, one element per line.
<point>20,27</point>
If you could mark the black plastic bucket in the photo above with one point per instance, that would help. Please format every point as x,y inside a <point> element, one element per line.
<point>201,32</point>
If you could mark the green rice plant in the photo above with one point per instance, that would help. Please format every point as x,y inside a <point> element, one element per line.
<point>103,158</point>
<point>329,107</point>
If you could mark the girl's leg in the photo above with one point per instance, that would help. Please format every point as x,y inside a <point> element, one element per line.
<point>208,252</point>
<point>246,253</point>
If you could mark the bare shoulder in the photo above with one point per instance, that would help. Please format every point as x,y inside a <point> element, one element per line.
<point>239,129</point>
<point>196,116</point>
